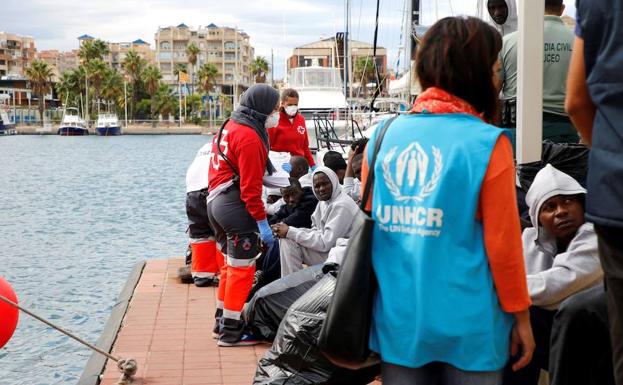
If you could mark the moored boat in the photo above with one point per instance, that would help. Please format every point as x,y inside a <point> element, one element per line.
<point>7,127</point>
<point>108,125</point>
<point>72,124</point>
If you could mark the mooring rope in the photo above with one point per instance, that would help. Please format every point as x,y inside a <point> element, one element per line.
<point>127,367</point>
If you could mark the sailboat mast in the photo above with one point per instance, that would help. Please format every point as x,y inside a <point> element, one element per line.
<point>346,48</point>
<point>413,20</point>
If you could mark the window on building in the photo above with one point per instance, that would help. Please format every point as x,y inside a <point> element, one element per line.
<point>230,45</point>
<point>164,56</point>
<point>230,56</point>
<point>165,45</point>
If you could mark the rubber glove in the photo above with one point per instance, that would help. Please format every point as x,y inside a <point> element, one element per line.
<point>287,167</point>
<point>314,167</point>
<point>266,234</point>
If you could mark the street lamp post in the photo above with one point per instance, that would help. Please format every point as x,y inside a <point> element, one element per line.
<point>125,100</point>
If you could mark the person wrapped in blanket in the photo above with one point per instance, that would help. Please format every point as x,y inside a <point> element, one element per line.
<point>332,219</point>
<point>299,205</point>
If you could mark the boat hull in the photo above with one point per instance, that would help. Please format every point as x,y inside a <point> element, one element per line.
<point>72,131</point>
<point>109,131</point>
<point>7,129</point>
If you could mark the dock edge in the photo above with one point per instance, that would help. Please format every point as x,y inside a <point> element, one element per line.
<point>97,362</point>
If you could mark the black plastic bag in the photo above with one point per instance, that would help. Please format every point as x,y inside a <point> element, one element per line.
<point>270,304</point>
<point>295,357</point>
<point>570,158</point>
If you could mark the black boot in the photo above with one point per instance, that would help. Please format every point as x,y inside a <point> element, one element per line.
<point>216,330</point>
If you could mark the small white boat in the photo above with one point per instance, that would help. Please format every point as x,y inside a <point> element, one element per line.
<point>72,123</point>
<point>108,125</point>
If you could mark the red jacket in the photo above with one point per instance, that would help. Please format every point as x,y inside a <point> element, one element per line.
<point>245,150</point>
<point>291,137</point>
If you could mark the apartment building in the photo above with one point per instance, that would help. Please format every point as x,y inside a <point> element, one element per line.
<point>118,51</point>
<point>227,48</point>
<point>16,53</point>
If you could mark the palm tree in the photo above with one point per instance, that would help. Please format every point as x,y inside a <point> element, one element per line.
<point>259,68</point>
<point>192,51</point>
<point>207,75</point>
<point>164,100</point>
<point>67,88</point>
<point>364,70</point>
<point>93,49</point>
<point>133,65</point>
<point>40,77</point>
<point>151,78</point>
<point>113,87</point>
<point>97,71</point>
<point>179,68</point>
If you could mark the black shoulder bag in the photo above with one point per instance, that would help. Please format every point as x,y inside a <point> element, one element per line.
<point>344,335</point>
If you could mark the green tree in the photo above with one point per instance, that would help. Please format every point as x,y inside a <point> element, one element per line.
<point>97,71</point>
<point>93,49</point>
<point>192,51</point>
<point>179,68</point>
<point>151,78</point>
<point>259,68</point>
<point>364,71</point>
<point>39,75</point>
<point>165,100</point>
<point>207,75</point>
<point>113,88</point>
<point>207,78</point>
<point>133,65</point>
<point>67,87</point>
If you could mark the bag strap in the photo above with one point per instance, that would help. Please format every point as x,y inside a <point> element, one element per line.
<point>220,152</point>
<point>370,179</point>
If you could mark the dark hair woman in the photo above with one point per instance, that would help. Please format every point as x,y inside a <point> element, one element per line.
<point>447,243</point>
<point>235,208</point>
<point>290,135</point>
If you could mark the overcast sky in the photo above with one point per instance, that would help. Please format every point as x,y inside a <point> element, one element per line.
<point>277,24</point>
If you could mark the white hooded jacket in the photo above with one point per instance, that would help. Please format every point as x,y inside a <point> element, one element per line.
<point>553,276</point>
<point>331,220</point>
<point>510,25</point>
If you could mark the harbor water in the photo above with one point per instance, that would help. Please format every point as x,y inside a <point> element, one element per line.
<point>76,213</point>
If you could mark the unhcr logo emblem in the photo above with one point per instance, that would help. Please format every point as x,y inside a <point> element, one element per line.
<point>412,167</point>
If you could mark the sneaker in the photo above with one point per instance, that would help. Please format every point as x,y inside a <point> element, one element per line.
<point>246,339</point>
<point>203,281</point>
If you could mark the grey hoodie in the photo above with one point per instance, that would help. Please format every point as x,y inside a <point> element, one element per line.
<point>331,220</point>
<point>553,276</point>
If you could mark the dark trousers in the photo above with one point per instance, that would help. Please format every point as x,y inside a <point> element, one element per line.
<point>611,254</point>
<point>580,352</point>
<point>541,321</point>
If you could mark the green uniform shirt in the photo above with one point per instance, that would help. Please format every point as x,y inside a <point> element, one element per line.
<point>558,39</point>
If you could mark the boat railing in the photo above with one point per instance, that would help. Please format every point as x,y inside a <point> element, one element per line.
<point>331,136</point>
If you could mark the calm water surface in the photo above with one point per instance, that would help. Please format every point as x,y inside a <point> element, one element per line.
<point>76,213</point>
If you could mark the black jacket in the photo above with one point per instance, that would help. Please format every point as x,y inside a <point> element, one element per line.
<point>299,216</point>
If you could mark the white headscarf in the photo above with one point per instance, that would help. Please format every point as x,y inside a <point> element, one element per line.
<point>335,182</point>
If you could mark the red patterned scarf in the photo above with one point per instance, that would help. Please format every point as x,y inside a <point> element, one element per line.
<point>437,101</point>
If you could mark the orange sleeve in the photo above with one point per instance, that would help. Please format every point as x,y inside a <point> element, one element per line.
<point>364,177</point>
<point>502,231</point>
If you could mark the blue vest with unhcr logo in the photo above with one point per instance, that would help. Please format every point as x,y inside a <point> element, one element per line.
<point>436,299</point>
